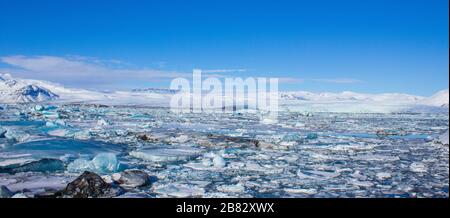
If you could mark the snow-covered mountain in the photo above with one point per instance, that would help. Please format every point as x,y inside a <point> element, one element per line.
<point>440,99</point>
<point>365,103</point>
<point>350,97</point>
<point>13,90</point>
<point>19,91</point>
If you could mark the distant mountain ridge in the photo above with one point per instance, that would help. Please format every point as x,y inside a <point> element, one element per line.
<point>27,91</point>
<point>19,91</point>
<point>157,90</point>
<point>440,99</point>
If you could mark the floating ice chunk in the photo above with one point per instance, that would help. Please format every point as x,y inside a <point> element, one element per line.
<point>19,195</point>
<point>102,163</point>
<point>317,175</point>
<point>43,165</point>
<point>60,122</point>
<point>443,139</point>
<point>286,145</point>
<point>268,121</point>
<point>103,122</point>
<point>237,188</point>
<point>166,154</point>
<point>106,162</point>
<point>311,136</point>
<point>418,168</point>
<point>179,190</point>
<point>299,125</point>
<point>376,157</point>
<point>50,124</point>
<point>180,139</point>
<point>51,114</point>
<point>383,175</point>
<point>365,184</point>
<point>82,135</point>
<point>16,161</point>
<point>58,132</point>
<point>218,161</point>
<point>210,161</point>
<point>39,107</point>
<point>132,178</point>
<point>16,136</point>
<point>79,165</point>
<point>55,123</point>
<point>292,137</point>
<point>5,192</point>
<point>56,148</point>
<point>310,191</point>
<point>2,132</point>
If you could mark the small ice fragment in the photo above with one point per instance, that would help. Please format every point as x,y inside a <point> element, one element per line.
<point>179,190</point>
<point>166,154</point>
<point>237,188</point>
<point>5,192</point>
<point>55,123</point>
<point>383,175</point>
<point>218,161</point>
<point>103,163</point>
<point>19,195</point>
<point>180,139</point>
<point>311,136</point>
<point>39,107</point>
<point>132,178</point>
<point>106,162</point>
<point>2,132</point>
<point>418,168</point>
<point>301,191</point>
<point>82,135</point>
<point>51,114</point>
<point>16,136</point>
<point>299,125</point>
<point>103,122</point>
<point>443,139</point>
<point>58,132</point>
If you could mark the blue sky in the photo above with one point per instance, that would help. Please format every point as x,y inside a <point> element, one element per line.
<point>365,46</point>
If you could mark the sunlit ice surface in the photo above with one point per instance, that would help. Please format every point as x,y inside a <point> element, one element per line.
<point>302,155</point>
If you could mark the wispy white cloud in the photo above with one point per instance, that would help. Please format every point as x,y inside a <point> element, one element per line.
<point>338,80</point>
<point>83,71</point>
<point>94,73</point>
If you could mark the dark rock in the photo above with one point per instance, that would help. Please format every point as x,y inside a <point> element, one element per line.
<point>87,185</point>
<point>147,138</point>
<point>90,185</point>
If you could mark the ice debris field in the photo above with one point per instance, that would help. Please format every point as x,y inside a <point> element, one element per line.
<point>60,150</point>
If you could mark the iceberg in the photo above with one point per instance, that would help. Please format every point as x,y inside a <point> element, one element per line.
<point>101,163</point>
<point>43,165</point>
<point>2,132</point>
<point>166,154</point>
<point>16,136</point>
<point>179,190</point>
<point>237,188</point>
<point>442,139</point>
